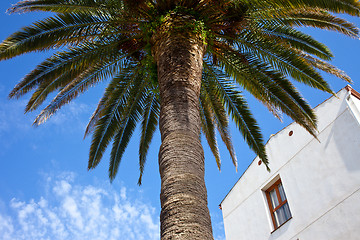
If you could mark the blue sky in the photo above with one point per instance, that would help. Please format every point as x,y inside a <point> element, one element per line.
<point>46,191</point>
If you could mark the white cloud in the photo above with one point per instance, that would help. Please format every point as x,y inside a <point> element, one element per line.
<point>6,227</point>
<point>74,113</point>
<point>73,211</point>
<point>71,117</point>
<point>61,188</point>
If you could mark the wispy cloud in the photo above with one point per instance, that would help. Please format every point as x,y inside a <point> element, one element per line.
<point>73,113</point>
<point>71,116</point>
<point>73,211</point>
<point>11,116</point>
<point>218,226</point>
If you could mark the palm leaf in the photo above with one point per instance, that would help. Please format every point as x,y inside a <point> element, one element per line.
<point>326,67</point>
<point>282,59</point>
<point>271,88</point>
<point>64,6</point>
<point>149,123</point>
<point>208,127</point>
<point>90,77</point>
<point>215,90</point>
<point>116,88</point>
<point>54,32</point>
<point>129,116</point>
<point>322,20</point>
<point>296,39</point>
<point>107,123</point>
<point>351,7</point>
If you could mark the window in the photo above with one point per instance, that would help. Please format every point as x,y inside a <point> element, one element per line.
<point>278,204</point>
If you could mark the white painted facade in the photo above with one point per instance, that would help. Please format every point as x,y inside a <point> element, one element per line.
<point>321,180</point>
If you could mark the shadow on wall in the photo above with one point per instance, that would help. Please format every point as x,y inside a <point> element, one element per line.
<point>345,133</point>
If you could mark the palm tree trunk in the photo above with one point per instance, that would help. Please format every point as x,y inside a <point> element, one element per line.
<point>179,56</point>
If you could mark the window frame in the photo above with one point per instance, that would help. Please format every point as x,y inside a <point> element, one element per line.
<point>275,186</point>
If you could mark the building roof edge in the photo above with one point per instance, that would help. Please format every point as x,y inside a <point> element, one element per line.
<point>352,91</point>
<point>347,88</point>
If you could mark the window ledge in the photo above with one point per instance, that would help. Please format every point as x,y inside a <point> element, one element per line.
<point>281,225</point>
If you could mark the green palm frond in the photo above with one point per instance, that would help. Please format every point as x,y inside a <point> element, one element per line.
<point>65,6</point>
<point>241,115</point>
<point>326,67</point>
<point>305,17</point>
<point>129,116</point>
<point>55,32</point>
<point>71,62</point>
<point>150,118</point>
<point>215,90</point>
<point>285,36</point>
<point>110,117</point>
<point>247,125</point>
<point>208,127</point>
<point>284,60</point>
<point>351,7</point>
<point>64,74</point>
<point>99,72</point>
<point>117,88</point>
<point>322,20</point>
<point>271,88</point>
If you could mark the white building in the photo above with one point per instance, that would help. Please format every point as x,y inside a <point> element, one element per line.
<point>312,191</point>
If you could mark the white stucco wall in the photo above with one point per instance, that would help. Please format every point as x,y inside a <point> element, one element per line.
<point>321,180</point>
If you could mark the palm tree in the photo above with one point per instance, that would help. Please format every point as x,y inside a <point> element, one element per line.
<point>179,64</point>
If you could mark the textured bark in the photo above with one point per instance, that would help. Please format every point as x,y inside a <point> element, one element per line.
<point>179,56</point>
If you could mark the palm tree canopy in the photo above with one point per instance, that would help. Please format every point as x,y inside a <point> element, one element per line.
<point>251,45</point>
